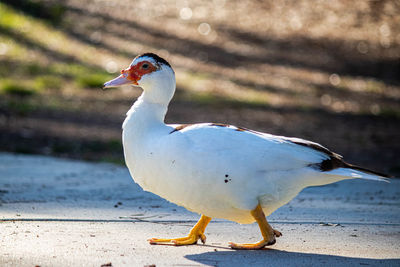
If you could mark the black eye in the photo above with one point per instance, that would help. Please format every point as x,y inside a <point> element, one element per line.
<point>145,66</point>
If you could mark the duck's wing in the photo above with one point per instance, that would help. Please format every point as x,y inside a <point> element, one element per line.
<point>256,149</point>
<point>236,145</point>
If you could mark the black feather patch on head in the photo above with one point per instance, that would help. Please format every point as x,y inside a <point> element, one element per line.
<point>157,58</point>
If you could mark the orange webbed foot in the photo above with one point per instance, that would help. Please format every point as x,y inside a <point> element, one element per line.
<point>182,241</point>
<point>195,234</point>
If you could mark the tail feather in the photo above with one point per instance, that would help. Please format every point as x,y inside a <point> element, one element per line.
<point>364,170</point>
<point>358,173</point>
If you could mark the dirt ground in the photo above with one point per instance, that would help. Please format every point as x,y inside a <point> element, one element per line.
<point>327,71</point>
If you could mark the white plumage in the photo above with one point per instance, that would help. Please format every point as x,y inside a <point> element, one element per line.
<point>216,170</point>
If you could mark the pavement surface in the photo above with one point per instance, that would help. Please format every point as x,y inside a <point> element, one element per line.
<point>57,212</point>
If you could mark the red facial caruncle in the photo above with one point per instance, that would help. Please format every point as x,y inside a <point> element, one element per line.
<point>135,73</point>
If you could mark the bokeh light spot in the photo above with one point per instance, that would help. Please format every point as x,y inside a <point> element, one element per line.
<point>204,28</point>
<point>186,13</point>
<point>111,67</point>
<point>334,79</point>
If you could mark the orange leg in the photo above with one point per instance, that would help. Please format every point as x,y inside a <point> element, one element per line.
<point>267,232</point>
<point>195,234</point>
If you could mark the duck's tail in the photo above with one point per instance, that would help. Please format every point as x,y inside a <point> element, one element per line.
<point>349,171</point>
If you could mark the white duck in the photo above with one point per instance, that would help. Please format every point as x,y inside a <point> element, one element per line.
<point>217,170</point>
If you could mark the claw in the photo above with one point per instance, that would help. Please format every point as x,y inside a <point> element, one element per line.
<point>151,242</point>
<point>203,238</point>
<point>277,233</point>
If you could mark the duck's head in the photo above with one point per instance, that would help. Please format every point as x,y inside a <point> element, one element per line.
<point>150,72</point>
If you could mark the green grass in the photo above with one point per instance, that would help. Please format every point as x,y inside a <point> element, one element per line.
<point>48,82</point>
<point>19,106</point>
<point>16,88</point>
<point>33,68</point>
<point>47,10</point>
<point>93,80</point>
<point>37,31</point>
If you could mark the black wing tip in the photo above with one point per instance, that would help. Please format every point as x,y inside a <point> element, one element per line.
<point>362,169</point>
<point>335,163</point>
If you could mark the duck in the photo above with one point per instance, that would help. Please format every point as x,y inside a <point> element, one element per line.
<point>213,169</point>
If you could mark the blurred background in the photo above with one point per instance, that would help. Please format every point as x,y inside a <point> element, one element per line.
<point>327,71</point>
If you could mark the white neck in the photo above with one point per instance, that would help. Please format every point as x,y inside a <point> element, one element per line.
<point>144,114</point>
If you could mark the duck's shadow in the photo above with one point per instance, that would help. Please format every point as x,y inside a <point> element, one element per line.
<point>274,257</point>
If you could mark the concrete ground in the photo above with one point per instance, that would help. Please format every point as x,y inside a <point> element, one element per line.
<point>57,212</point>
